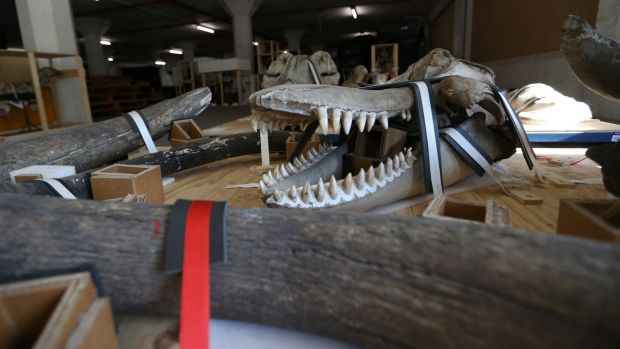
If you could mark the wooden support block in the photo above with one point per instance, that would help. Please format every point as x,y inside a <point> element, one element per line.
<point>185,131</point>
<point>524,196</point>
<point>26,177</point>
<point>293,140</point>
<point>559,181</point>
<point>42,313</point>
<point>556,163</point>
<point>116,181</point>
<point>95,329</point>
<point>453,210</point>
<point>597,219</point>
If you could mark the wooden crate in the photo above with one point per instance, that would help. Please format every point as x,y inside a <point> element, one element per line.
<point>116,181</point>
<point>596,219</point>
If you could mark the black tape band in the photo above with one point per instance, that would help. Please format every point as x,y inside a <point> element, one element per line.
<point>175,238</point>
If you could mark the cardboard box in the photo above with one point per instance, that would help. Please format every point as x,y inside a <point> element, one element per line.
<point>293,140</point>
<point>116,181</point>
<point>185,131</point>
<point>597,219</point>
<point>454,210</point>
<point>46,313</point>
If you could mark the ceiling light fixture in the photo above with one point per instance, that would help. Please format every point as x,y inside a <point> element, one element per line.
<point>105,42</point>
<point>176,51</point>
<point>353,13</point>
<point>110,59</point>
<point>160,62</point>
<point>205,29</point>
<point>255,43</point>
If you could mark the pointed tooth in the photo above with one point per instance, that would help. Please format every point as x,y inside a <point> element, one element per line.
<point>347,184</point>
<point>397,161</point>
<point>303,159</point>
<point>361,179</point>
<point>389,167</point>
<point>403,115</point>
<point>297,162</point>
<point>403,161</point>
<point>271,175</point>
<point>381,170</point>
<point>408,114</point>
<point>320,190</point>
<point>291,168</point>
<point>293,193</point>
<point>333,187</point>
<point>335,119</point>
<point>313,152</point>
<point>278,195</point>
<point>409,154</point>
<point>370,121</point>
<point>255,125</point>
<point>383,119</point>
<point>263,127</point>
<point>267,180</point>
<point>346,121</point>
<point>270,125</point>
<point>322,115</point>
<point>306,192</point>
<point>361,121</point>
<point>263,187</point>
<point>284,171</point>
<point>371,176</point>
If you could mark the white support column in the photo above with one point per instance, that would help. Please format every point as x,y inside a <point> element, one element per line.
<point>293,40</point>
<point>92,30</point>
<point>461,38</point>
<point>47,26</point>
<point>241,12</point>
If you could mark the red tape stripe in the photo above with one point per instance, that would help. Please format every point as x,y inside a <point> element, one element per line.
<point>195,306</point>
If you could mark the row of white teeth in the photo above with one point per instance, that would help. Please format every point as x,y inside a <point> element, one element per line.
<point>289,169</point>
<point>331,119</point>
<point>279,124</point>
<point>345,190</point>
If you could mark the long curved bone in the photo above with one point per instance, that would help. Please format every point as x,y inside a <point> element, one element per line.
<point>372,280</point>
<point>594,59</point>
<point>89,146</point>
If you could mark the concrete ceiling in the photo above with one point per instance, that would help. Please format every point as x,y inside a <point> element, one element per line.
<point>142,30</point>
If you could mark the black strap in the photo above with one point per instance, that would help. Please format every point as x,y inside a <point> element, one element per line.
<point>305,138</point>
<point>175,238</point>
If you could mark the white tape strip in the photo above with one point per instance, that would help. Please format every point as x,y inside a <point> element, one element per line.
<point>431,137</point>
<point>315,76</point>
<point>470,149</point>
<point>144,131</point>
<point>59,188</point>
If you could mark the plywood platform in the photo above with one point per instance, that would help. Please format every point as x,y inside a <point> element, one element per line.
<point>208,183</point>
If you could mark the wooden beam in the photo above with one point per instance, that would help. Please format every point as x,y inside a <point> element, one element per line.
<point>371,280</point>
